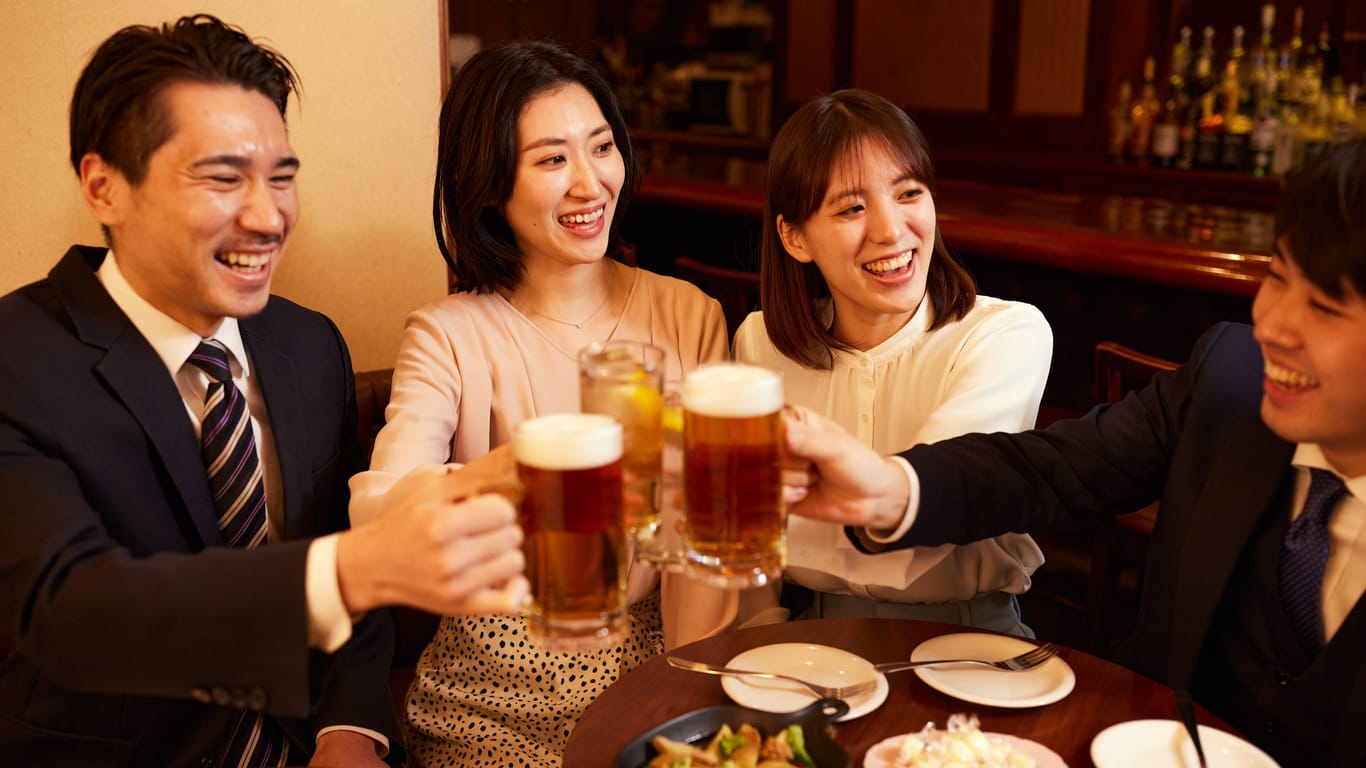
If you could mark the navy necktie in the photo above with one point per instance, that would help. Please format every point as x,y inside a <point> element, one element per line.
<point>228,446</point>
<point>1304,556</point>
<point>229,449</point>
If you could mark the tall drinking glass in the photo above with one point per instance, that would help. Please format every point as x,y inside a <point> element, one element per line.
<point>624,380</point>
<point>576,557</point>
<point>732,474</point>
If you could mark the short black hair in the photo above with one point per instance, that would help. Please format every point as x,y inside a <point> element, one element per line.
<point>1322,217</point>
<point>117,111</point>
<point>476,157</point>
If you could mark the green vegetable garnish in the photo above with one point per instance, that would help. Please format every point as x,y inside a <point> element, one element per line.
<point>797,741</point>
<point>731,743</point>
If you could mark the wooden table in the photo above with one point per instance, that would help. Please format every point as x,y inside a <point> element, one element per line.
<point>1105,694</point>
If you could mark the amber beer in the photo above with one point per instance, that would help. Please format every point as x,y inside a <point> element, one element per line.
<point>576,555</point>
<point>732,444</point>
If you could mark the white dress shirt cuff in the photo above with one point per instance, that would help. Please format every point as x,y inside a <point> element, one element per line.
<point>381,743</point>
<point>878,539</point>
<point>329,624</point>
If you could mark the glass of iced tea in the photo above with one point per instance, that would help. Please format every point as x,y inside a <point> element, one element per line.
<point>625,380</point>
<point>576,556</point>
<point>734,518</point>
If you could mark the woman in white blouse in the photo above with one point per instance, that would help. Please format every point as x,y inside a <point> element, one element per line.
<point>874,324</point>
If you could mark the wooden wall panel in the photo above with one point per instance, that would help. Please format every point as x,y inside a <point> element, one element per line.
<point>925,55</point>
<point>1050,78</point>
<point>809,52</point>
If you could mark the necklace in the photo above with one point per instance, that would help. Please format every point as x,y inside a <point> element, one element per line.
<point>611,280</point>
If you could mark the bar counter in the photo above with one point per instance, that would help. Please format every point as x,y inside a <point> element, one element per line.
<point>1146,272</point>
<point>1186,245</point>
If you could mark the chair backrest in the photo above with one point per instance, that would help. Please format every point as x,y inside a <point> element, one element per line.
<point>412,628</point>
<point>1120,370</point>
<point>1119,543</point>
<point>737,291</point>
<point>372,397</point>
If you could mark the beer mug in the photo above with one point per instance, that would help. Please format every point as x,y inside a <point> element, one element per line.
<point>576,558</point>
<point>624,380</point>
<point>734,519</point>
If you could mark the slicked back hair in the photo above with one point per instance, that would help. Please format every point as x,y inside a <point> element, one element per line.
<point>804,155</point>
<point>117,111</point>
<point>476,163</point>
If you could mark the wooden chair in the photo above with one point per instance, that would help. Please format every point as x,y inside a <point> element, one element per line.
<point>737,291</point>
<point>1121,543</point>
<point>413,628</point>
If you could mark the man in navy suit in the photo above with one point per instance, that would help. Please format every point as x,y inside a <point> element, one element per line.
<point>1261,433</point>
<point>144,634</point>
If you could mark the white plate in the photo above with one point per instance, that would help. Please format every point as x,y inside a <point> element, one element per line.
<point>1044,684</point>
<point>884,753</point>
<point>1165,744</point>
<point>820,664</point>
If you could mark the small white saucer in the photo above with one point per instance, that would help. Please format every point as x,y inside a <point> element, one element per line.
<point>1049,682</point>
<point>820,664</point>
<point>1165,744</point>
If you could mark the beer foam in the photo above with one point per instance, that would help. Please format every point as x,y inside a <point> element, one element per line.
<point>732,390</point>
<point>567,441</point>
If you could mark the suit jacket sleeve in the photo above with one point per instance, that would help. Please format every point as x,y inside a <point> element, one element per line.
<point>353,681</point>
<point>110,582</point>
<point>1116,459</point>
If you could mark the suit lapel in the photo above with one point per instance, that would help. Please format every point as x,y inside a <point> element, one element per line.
<point>277,376</point>
<point>156,404</point>
<point>136,376</point>
<point>1243,482</point>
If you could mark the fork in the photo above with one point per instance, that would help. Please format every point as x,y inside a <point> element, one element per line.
<point>843,693</point>
<point>1019,663</point>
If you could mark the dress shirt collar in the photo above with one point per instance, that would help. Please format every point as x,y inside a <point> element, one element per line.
<point>1310,456</point>
<point>172,341</point>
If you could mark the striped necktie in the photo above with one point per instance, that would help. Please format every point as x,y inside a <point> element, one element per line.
<point>1304,557</point>
<point>228,446</point>
<point>229,449</point>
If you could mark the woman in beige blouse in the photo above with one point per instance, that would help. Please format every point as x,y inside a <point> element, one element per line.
<point>534,168</point>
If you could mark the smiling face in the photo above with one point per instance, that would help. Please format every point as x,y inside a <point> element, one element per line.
<point>872,238</point>
<point>569,174</point>
<point>1314,347</point>
<point>201,235</point>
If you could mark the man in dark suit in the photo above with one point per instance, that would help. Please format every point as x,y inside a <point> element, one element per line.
<point>173,438</point>
<point>1252,594</point>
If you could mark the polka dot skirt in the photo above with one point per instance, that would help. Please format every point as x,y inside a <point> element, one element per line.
<point>485,695</point>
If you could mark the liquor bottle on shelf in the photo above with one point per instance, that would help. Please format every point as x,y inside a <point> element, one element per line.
<point>1316,127</point>
<point>1344,112</point>
<point>1175,103</point>
<point>1205,97</point>
<point>1288,153</point>
<point>1265,124</point>
<point>1203,78</point>
<point>1237,122</point>
<point>1301,73</point>
<point>1117,136</point>
<point>1325,57</point>
<point>1143,115</point>
<point>1265,44</point>
<point>1237,55</point>
<point>1209,132</point>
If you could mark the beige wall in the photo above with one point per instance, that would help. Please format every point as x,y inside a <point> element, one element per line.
<point>365,129</point>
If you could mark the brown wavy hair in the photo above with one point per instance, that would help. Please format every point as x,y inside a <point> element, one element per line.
<point>822,133</point>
